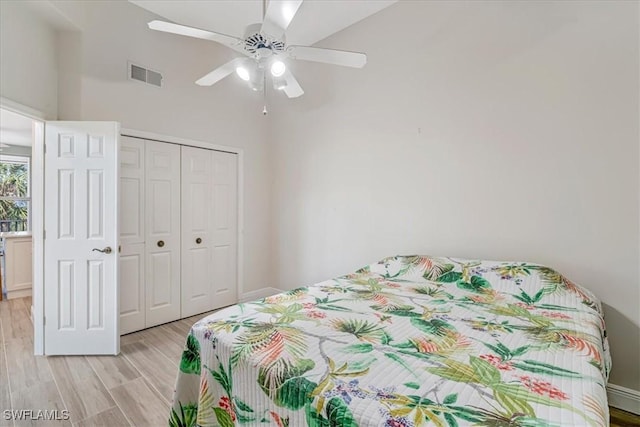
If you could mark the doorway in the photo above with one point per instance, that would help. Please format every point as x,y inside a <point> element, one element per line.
<point>16,219</point>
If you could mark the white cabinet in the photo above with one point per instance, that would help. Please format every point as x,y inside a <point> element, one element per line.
<point>178,232</point>
<point>18,268</point>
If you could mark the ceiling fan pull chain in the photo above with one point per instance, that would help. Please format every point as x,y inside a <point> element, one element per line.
<point>264,94</point>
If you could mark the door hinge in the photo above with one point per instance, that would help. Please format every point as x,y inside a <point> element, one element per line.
<point>45,148</point>
<point>44,234</point>
<point>44,320</point>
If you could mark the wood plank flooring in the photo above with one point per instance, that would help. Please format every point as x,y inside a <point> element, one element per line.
<point>620,418</point>
<point>131,389</point>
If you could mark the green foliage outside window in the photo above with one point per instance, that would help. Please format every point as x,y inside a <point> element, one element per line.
<point>14,194</point>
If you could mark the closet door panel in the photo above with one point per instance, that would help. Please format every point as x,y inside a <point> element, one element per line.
<point>160,295</point>
<point>196,230</point>
<point>132,289</point>
<point>225,228</point>
<point>131,208</point>
<point>162,185</point>
<point>132,248</point>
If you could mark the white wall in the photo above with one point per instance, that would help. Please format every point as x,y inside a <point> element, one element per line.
<point>28,66</point>
<point>491,130</point>
<point>94,86</point>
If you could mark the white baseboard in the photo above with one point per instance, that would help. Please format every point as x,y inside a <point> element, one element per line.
<point>259,293</point>
<point>624,398</point>
<point>19,293</point>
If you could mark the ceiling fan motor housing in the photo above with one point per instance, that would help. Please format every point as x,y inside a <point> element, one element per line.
<point>259,45</point>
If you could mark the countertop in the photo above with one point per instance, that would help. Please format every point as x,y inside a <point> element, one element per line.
<point>14,234</point>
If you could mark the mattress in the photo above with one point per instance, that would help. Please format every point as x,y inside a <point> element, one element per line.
<point>407,341</point>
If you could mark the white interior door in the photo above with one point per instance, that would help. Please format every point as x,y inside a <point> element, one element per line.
<point>225,229</point>
<point>81,238</point>
<point>162,187</point>
<point>197,221</point>
<point>132,246</point>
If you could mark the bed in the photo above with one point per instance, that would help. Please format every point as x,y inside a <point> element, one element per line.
<point>408,341</point>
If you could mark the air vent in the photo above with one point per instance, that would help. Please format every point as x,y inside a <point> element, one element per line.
<point>144,75</point>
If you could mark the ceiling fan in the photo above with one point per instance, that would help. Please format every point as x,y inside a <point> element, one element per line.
<point>264,48</point>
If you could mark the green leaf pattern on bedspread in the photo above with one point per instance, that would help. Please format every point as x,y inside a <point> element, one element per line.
<point>409,341</point>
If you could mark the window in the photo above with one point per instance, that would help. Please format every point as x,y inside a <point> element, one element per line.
<point>15,193</point>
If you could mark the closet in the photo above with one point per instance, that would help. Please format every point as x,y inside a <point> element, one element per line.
<point>178,231</point>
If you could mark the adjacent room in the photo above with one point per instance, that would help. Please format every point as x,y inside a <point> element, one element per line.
<point>15,204</point>
<point>319,213</point>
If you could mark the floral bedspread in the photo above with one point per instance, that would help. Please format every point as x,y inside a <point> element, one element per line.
<point>408,341</point>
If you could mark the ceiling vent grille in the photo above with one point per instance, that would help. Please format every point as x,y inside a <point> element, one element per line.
<point>144,75</point>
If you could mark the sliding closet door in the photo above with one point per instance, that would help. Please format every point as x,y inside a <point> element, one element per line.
<point>132,220</point>
<point>162,186</point>
<point>225,228</point>
<point>209,230</point>
<point>197,221</point>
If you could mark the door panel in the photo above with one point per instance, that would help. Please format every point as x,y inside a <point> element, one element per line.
<point>161,286</point>
<point>132,210</point>
<point>162,206</point>
<point>66,204</point>
<point>222,265</point>
<point>81,284</point>
<point>225,228</point>
<point>67,294</point>
<point>196,230</point>
<point>132,246</point>
<point>95,226</point>
<point>95,313</point>
<point>132,288</point>
<point>131,191</point>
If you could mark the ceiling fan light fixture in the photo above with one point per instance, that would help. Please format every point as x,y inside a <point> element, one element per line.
<point>243,73</point>
<point>278,68</point>
<point>256,86</point>
<point>257,80</point>
<point>279,83</point>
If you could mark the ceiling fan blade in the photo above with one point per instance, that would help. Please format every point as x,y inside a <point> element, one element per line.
<point>168,27</point>
<point>293,88</point>
<point>220,73</point>
<point>279,15</point>
<point>329,56</point>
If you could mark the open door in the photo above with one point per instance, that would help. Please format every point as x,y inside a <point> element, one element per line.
<point>81,238</point>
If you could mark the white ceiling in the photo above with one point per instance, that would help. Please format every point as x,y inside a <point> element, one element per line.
<point>14,129</point>
<point>315,20</point>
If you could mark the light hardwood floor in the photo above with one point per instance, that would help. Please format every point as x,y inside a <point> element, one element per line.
<point>131,389</point>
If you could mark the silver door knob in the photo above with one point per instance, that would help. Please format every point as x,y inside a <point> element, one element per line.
<point>106,250</point>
